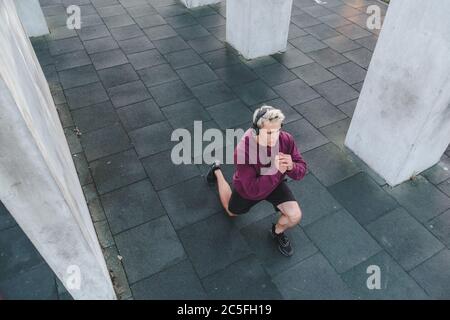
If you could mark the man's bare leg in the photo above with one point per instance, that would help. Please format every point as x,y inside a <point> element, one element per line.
<point>224,191</point>
<point>290,216</point>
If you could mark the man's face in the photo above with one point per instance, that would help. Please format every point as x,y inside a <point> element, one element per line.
<point>269,133</point>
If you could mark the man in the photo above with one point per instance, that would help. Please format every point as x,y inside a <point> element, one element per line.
<point>258,177</point>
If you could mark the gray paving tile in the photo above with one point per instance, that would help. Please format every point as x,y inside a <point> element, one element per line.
<point>322,31</point>
<point>176,282</point>
<point>141,10</point>
<point>93,202</point>
<point>361,56</point>
<point>327,57</point>
<point>348,107</point>
<point>346,11</point>
<point>189,202</point>
<point>134,45</point>
<point>128,93</point>
<point>149,21</point>
<point>109,11</point>
<point>225,244</point>
<point>349,72</point>
<point>183,114</point>
<point>72,60</point>
<point>236,74</point>
<point>433,275</point>
<point>336,132</point>
<point>213,93</point>
<point>184,58</point>
<point>179,92</point>
<point>140,114</point>
<point>316,10</point>
<point>85,95</point>
<point>329,164</point>
<point>363,198</point>
<point>171,44</point>
<point>152,138</point>
<point>445,187</point>
<point>293,58</point>
<point>17,252</point>
<point>37,283</point>
<point>295,92</point>
<point>116,171</point>
<point>260,240</point>
<point>159,74</point>
<point>220,58</point>
<point>274,74</point>
<point>93,32</point>
<point>79,76</point>
<point>341,44</point>
<point>58,47</point>
<point>312,279</point>
<point>160,32</point>
<point>127,32</point>
<point>315,201</point>
<point>196,75</point>
<point>99,45</point>
<point>295,32</point>
<point>164,173</point>
<point>423,200</point>
<point>92,20</point>
<point>334,20</point>
<point>304,20</point>
<point>132,205</point>
<point>307,43</point>
<point>205,44</point>
<point>368,42</point>
<point>94,117</point>
<point>139,247</point>
<point>193,32</point>
<point>255,92</point>
<point>226,119</point>
<point>146,59</point>
<point>104,141</point>
<point>212,20</point>
<point>313,74</point>
<point>181,21</point>
<point>306,136</point>
<point>117,75</point>
<point>355,245</point>
<point>395,283</point>
<point>73,140</point>
<point>320,112</point>
<point>108,59</point>
<point>170,10</point>
<point>252,283</point>
<point>118,21</point>
<point>336,91</point>
<point>440,227</point>
<point>439,172</point>
<point>409,242</point>
<point>258,62</point>
<point>64,115</point>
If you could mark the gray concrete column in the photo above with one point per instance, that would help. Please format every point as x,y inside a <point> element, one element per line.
<point>198,3</point>
<point>401,125</point>
<point>32,17</point>
<point>38,182</point>
<point>258,28</point>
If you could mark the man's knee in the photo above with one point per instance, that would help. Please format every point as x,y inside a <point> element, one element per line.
<point>295,214</point>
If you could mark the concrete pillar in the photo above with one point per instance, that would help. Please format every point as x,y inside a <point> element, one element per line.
<point>401,125</point>
<point>32,17</point>
<point>198,3</point>
<point>38,182</point>
<point>258,28</point>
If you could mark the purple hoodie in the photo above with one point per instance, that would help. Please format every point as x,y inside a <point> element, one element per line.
<point>247,180</point>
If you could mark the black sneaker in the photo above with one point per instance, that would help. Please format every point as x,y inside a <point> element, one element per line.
<point>284,245</point>
<point>210,176</point>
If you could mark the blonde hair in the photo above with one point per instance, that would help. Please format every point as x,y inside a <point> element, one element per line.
<point>272,115</point>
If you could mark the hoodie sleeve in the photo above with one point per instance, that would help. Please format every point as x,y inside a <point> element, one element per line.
<point>300,166</point>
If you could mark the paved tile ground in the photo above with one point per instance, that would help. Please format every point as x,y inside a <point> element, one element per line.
<point>139,69</point>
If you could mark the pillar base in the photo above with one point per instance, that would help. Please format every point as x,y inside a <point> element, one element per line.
<point>198,3</point>
<point>258,28</point>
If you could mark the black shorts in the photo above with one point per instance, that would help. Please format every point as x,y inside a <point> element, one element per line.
<point>240,205</point>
